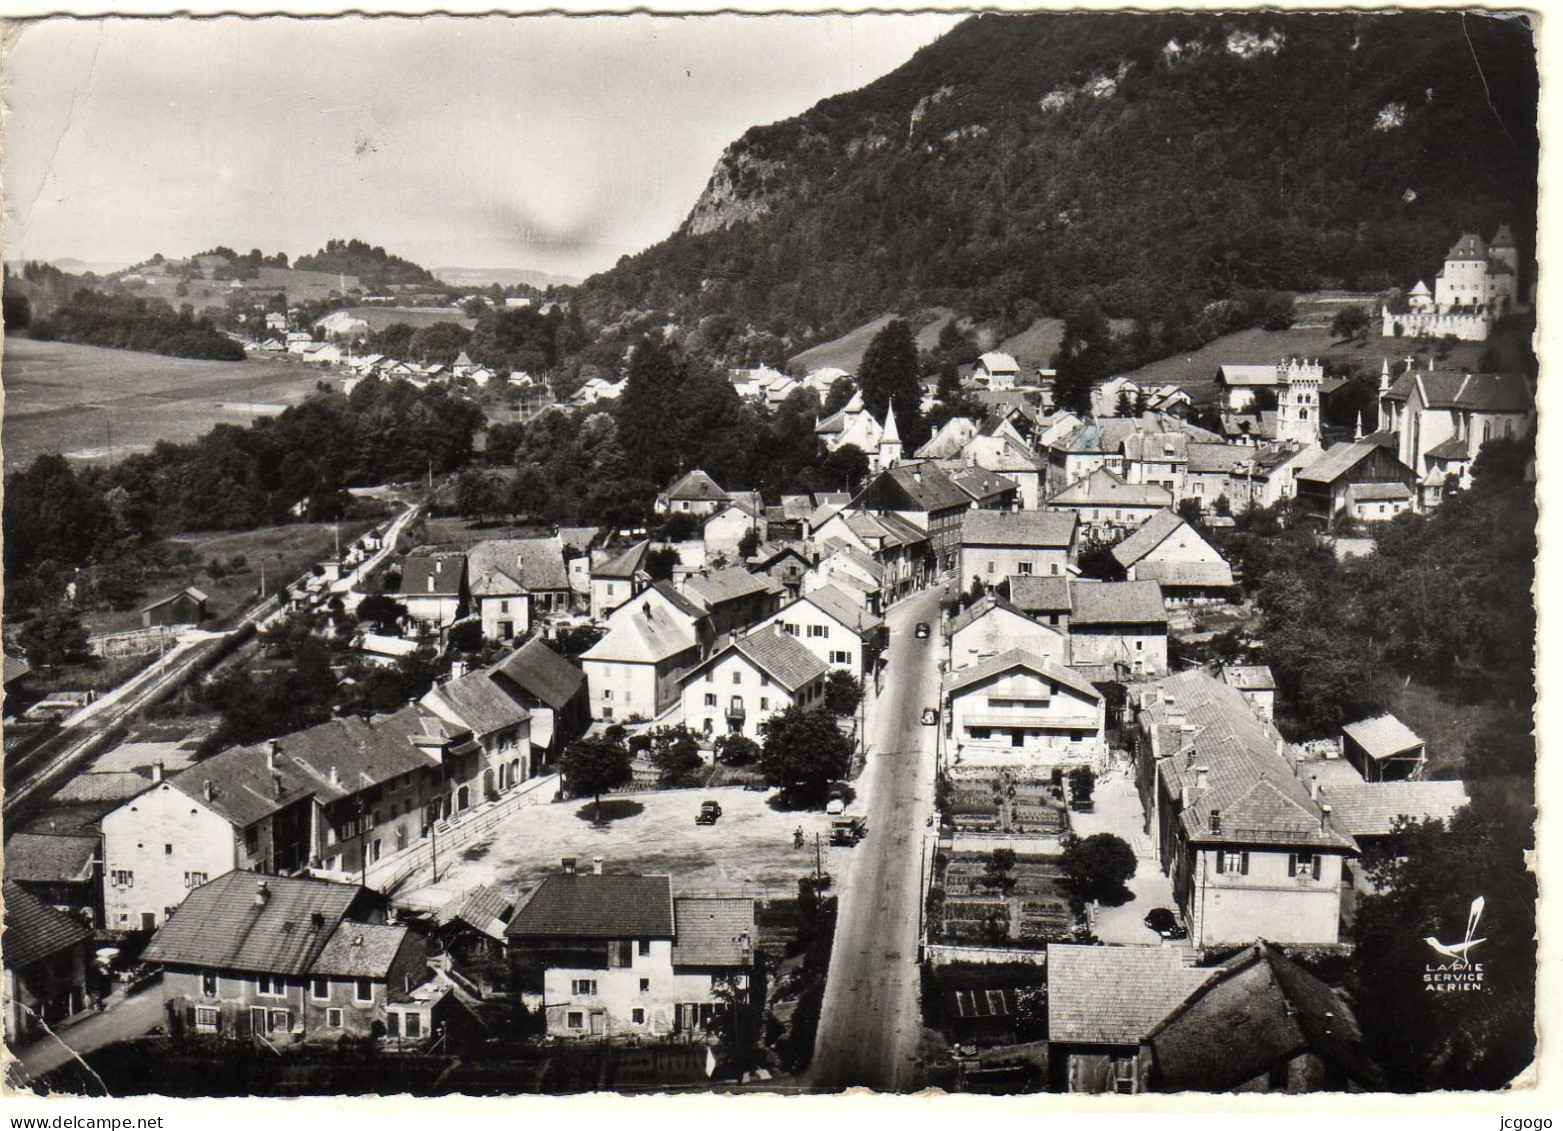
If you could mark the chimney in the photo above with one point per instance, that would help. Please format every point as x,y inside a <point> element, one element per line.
<point>336,778</point>
<point>458,668</point>
<point>276,783</point>
<point>1313,786</point>
<point>1324,816</point>
<point>262,893</point>
<point>273,748</point>
<point>1215,821</point>
<point>596,865</point>
<point>157,772</point>
<point>206,788</point>
<point>645,607</point>
<point>1201,777</point>
<point>569,865</point>
<point>317,921</point>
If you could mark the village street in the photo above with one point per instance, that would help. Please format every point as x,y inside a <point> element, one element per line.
<point>870,1021</point>
<point>124,1018</point>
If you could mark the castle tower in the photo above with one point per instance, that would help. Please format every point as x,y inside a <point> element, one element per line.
<point>889,441</point>
<point>1297,396</point>
<point>1503,250</point>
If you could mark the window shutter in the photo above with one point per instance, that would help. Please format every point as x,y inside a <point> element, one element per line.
<point>1317,862</point>
<point>1221,862</point>
<point>1244,868</point>
<point>1291,864</point>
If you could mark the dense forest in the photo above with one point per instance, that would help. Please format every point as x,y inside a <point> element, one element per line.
<point>373,265</point>
<point>1155,164</point>
<point>92,318</point>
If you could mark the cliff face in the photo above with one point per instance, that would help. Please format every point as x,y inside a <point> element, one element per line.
<point>1021,161</point>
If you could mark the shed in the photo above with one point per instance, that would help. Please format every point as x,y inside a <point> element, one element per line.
<point>1384,749</point>
<point>188,606</point>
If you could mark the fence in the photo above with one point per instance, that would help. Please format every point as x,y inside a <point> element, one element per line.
<point>136,642</point>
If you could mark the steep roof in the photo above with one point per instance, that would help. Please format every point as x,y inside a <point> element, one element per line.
<point>947,442</point>
<point>1337,460</point>
<point>222,924</point>
<point>713,932</point>
<point>625,564</point>
<point>1036,594</point>
<point>1249,376</point>
<point>1114,995</point>
<point>1105,489</point>
<point>482,908</point>
<point>1029,529</point>
<point>600,906</point>
<point>648,636</point>
<point>359,950</point>
<point>1019,658</point>
<point>1152,533</point>
<point>1372,808</point>
<point>834,603</point>
<point>536,563</point>
<point>34,930</point>
<point>1377,492</point>
<point>1383,736</point>
<point>15,667</point>
<point>1173,575</point>
<point>433,575</point>
<point>1215,457</point>
<point>731,584</point>
<point>541,673</point>
<point>925,485</point>
<point>996,362</point>
<point>1115,602</point>
<point>979,483</point>
<point>779,655</point>
<point>1249,677</point>
<point>47,858</point>
<point>1258,1009</point>
<point>989,602</point>
<point>696,486</point>
<point>1469,246</point>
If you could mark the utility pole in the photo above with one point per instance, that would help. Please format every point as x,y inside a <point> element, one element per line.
<point>818,869</point>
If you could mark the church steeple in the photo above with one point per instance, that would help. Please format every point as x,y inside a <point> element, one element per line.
<point>889,441</point>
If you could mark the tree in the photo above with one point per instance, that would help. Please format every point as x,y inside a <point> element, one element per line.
<point>804,752</point>
<point>675,752</point>
<point>478,494</point>
<point>53,638</point>
<point>1351,322</point>
<point>1097,867</point>
<point>736,750</point>
<point>466,636</point>
<point>843,692</point>
<point>382,611</point>
<point>593,766</point>
<point>888,375</point>
<point>661,562</point>
<point>1126,403</point>
<point>1082,783</point>
<point>748,544</point>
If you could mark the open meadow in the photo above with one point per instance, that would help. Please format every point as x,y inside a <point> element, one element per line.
<point>67,398</point>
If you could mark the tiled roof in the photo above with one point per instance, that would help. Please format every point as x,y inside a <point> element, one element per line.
<point>1104,489</point>
<point>535,563</point>
<point>1377,492</point>
<point>541,673</point>
<point>837,605</point>
<point>1383,736</point>
<point>732,584</point>
<point>15,667</point>
<point>1156,447</point>
<point>981,484</point>
<point>579,537</point>
<point>1018,658</point>
<point>697,486</point>
<point>996,362</point>
<point>1258,1011</point>
<point>1052,529</point>
<point>34,930</point>
<point>1114,995</point>
<point>1249,677</point>
<point>1451,448</point>
<point>1180,574</point>
<point>1247,376</point>
<point>650,635</point>
<point>783,657</point>
<point>1215,457</point>
<point>981,607</point>
<point>899,532</point>
<point>927,486</point>
<point>45,858</point>
<point>1372,808</point>
<point>1115,602</point>
<point>482,908</point>
<point>947,442</point>
<point>1033,594</point>
<point>359,950</point>
<point>589,905</point>
<point>445,570</point>
<point>795,508</point>
<point>767,554</point>
<point>856,558</point>
<point>1337,460</point>
<point>480,703</point>
<point>1152,533</point>
<point>713,932</point>
<point>118,785</point>
<point>1468,246</point>
<point>222,925</point>
<point>625,564</point>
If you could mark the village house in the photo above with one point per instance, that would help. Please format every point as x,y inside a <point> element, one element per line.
<point>1209,473</point>
<point>1076,448</point>
<point>1252,852</point>
<point>1158,459</point>
<point>995,545</point>
<point>665,597</point>
<point>1103,1003</point>
<point>899,549</point>
<point>634,671</point>
<point>925,498</point>
<point>1107,506</point>
<point>992,625</point>
<point>500,729</point>
<point>783,562</point>
<point>725,530</point>
<point>1167,550</point>
<point>1257,684</point>
<point>515,581</point>
<point>468,939</point>
<point>1018,709</point>
<point>995,370</point>
<point>852,425</point>
<point>1117,629</point>
<point>617,577</point>
<point>837,629</point>
<point>997,448</point>
<point>849,570</point>
<point>694,493</point>
<point>551,690</point>
<point>988,490</point>
<point>604,955</point>
<point>752,679</point>
<point>59,868</point>
<point>434,589</point>
<point>948,440</point>
<point>45,965</point>
<point>1324,487</point>
<point>285,959</point>
<point>1269,475</point>
<point>733,598</point>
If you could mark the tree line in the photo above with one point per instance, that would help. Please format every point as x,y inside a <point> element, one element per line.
<point>93,318</point>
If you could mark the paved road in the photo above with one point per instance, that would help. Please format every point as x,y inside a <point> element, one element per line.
<point>123,1020</point>
<point>871,1021</point>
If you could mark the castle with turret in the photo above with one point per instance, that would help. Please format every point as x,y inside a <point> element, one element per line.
<point>1479,284</point>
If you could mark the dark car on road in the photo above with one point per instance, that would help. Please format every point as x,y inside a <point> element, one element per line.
<point>923,630</point>
<point>1165,923</point>
<point>709,812</point>
<point>930,716</point>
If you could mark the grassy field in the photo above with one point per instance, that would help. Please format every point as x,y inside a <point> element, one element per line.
<point>1447,726</point>
<point>466,532</point>
<point>846,352</point>
<point>61,397</point>
<point>379,317</point>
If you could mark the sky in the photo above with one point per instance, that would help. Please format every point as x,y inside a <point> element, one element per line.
<point>552,143</point>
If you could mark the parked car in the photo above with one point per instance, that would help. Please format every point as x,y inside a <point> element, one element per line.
<point>1165,923</point>
<point>847,830</point>
<point>710,811</point>
<point>930,716</point>
<point>923,630</point>
<point>835,806</point>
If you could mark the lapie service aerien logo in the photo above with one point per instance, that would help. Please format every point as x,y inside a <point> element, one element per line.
<point>1457,973</point>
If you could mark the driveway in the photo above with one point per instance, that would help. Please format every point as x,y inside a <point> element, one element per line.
<point>871,1019</point>
<point>1118,812</point>
<point>122,1020</point>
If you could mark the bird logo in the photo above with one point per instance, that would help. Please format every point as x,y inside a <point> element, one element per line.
<point>1460,952</point>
